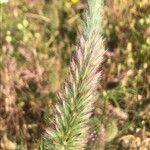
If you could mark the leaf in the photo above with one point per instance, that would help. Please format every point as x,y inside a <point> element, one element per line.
<point>112,130</point>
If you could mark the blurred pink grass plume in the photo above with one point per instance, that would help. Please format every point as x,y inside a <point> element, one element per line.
<point>70,126</point>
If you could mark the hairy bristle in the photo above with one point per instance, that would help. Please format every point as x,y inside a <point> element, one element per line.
<point>75,104</point>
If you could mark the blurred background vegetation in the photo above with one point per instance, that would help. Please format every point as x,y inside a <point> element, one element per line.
<point>37,41</point>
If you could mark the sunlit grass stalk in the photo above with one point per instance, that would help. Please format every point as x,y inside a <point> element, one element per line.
<point>75,102</point>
